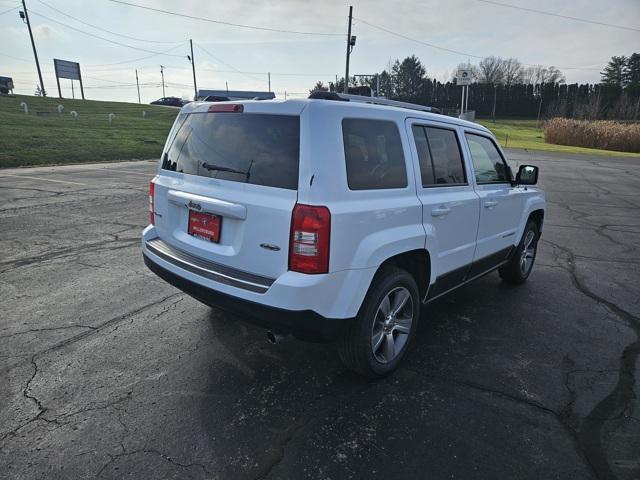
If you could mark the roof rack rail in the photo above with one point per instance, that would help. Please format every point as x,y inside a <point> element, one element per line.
<point>373,100</point>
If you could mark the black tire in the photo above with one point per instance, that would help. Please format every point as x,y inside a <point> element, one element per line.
<point>356,347</point>
<point>514,272</point>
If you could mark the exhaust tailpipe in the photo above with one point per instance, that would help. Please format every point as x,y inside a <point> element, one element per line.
<point>275,337</point>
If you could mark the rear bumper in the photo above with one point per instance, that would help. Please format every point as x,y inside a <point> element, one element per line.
<point>304,324</point>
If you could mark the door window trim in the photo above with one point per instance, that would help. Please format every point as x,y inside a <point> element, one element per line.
<point>473,167</point>
<point>422,124</point>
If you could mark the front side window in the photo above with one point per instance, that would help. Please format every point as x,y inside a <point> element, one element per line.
<point>439,156</point>
<point>374,155</point>
<point>260,149</point>
<point>488,164</point>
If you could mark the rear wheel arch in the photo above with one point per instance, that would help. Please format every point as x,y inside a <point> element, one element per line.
<point>415,262</point>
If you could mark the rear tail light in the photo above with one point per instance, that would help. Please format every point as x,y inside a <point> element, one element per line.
<point>309,242</point>
<point>152,186</point>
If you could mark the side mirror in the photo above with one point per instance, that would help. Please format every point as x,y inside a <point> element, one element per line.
<point>527,175</point>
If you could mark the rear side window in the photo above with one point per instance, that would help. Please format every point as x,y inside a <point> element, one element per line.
<point>488,164</point>
<point>260,149</point>
<point>439,156</point>
<point>373,154</point>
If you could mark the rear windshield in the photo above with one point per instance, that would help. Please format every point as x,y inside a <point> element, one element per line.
<point>260,149</point>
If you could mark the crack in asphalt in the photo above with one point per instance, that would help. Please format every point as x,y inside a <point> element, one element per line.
<point>26,390</point>
<point>107,245</point>
<point>559,415</point>
<point>617,401</point>
<point>114,458</point>
<point>284,442</point>
<point>50,329</point>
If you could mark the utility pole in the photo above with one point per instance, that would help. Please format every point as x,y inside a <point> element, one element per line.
<point>495,95</point>
<point>162,73</point>
<point>25,16</point>
<point>138,85</point>
<point>269,79</point>
<point>193,67</point>
<point>350,44</point>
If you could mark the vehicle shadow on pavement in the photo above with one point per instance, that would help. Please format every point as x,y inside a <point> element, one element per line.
<point>472,378</point>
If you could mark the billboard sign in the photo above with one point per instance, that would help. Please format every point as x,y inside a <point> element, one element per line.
<point>67,69</point>
<point>463,77</point>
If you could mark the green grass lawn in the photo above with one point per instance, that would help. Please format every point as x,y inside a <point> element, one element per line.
<point>51,138</point>
<point>55,139</point>
<point>525,134</point>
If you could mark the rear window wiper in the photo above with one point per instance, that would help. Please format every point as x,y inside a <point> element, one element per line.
<point>220,168</point>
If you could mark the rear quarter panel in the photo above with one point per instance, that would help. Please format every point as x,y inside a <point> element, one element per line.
<point>367,226</point>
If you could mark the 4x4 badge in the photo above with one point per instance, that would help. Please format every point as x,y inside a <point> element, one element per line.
<point>194,205</point>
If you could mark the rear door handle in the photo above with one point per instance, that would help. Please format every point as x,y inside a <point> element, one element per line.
<point>490,203</point>
<point>440,211</point>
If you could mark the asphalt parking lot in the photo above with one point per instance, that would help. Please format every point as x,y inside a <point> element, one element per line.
<point>108,372</point>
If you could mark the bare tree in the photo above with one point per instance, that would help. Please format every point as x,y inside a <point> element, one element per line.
<point>512,71</point>
<point>491,70</point>
<point>538,74</point>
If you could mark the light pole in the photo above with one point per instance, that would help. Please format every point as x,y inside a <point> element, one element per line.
<point>162,74</point>
<point>351,42</point>
<point>138,85</point>
<point>24,15</point>
<point>193,67</point>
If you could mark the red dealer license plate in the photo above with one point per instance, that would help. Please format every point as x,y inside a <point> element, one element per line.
<point>204,225</point>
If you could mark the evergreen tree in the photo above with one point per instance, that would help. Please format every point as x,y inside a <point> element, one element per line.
<point>409,78</point>
<point>614,72</point>
<point>319,86</point>
<point>632,71</point>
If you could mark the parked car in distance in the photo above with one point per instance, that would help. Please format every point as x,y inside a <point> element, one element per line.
<point>171,102</point>
<point>336,217</point>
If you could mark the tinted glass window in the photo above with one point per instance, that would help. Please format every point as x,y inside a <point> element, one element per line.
<point>244,147</point>
<point>487,161</point>
<point>424,157</point>
<point>374,155</point>
<point>440,158</point>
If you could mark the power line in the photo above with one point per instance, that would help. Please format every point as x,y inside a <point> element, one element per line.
<point>551,14</point>
<point>15,58</point>
<point>417,41</point>
<point>10,10</point>
<point>221,22</point>
<point>103,38</point>
<point>134,60</point>
<point>227,64</point>
<point>457,52</point>
<point>103,29</point>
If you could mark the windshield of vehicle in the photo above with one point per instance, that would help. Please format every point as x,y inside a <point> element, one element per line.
<point>261,149</point>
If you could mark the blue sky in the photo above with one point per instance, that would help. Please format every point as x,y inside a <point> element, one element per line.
<point>296,60</point>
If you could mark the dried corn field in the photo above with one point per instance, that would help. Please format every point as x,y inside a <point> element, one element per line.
<point>603,134</point>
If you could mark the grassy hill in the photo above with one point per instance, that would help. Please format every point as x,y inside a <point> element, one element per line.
<point>45,137</point>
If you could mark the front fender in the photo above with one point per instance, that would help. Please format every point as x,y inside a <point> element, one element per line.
<point>534,201</point>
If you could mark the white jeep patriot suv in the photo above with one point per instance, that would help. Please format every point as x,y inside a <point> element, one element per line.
<point>336,217</point>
